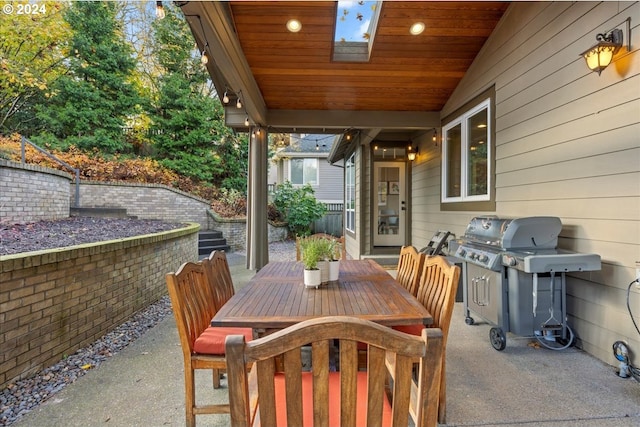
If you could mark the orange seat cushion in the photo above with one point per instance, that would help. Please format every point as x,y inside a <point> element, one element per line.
<point>334,400</point>
<point>410,329</point>
<point>211,341</point>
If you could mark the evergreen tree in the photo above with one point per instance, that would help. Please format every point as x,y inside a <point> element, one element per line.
<point>96,97</point>
<point>185,112</point>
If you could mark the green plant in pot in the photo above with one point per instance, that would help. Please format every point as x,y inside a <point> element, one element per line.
<point>333,255</point>
<point>312,252</point>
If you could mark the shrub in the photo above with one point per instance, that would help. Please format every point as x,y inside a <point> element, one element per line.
<point>298,206</point>
<point>230,204</point>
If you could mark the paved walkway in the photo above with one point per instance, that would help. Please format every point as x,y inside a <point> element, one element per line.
<point>520,386</point>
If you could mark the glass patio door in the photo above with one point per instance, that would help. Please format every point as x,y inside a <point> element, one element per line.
<point>390,204</point>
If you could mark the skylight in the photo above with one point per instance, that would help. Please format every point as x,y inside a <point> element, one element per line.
<point>356,22</point>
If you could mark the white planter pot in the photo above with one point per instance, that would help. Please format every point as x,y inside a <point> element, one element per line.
<point>312,278</point>
<point>324,270</point>
<point>334,270</point>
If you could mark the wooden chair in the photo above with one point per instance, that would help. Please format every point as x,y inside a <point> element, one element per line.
<point>193,301</point>
<point>409,268</point>
<point>323,398</point>
<point>437,292</point>
<point>343,249</point>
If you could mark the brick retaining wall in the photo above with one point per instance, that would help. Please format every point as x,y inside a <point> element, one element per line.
<point>31,193</point>
<point>145,201</point>
<point>54,302</point>
<point>234,230</point>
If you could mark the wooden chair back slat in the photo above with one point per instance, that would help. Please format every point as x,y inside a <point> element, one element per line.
<point>266,390</point>
<point>348,373</point>
<point>320,332</point>
<point>409,268</point>
<point>220,274</point>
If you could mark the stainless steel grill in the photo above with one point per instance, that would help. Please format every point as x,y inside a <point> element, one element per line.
<point>510,274</point>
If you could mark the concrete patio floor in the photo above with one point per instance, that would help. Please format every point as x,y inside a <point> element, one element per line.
<point>520,386</point>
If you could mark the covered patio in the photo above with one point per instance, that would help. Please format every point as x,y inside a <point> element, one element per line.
<point>524,385</point>
<point>556,138</point>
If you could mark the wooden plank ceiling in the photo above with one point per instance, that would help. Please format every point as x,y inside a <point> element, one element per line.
<point>295,71</point>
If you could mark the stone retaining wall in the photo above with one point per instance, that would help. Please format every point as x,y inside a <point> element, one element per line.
<point>54,302</point>
<point>31,193</point>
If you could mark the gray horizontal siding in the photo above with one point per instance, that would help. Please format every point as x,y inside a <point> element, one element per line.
<point>567,145</point>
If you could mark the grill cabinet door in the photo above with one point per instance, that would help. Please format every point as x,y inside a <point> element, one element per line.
<point>485,293</point>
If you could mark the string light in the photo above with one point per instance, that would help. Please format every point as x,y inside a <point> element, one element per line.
<point>239,101</point>
<point>225,98</point>
<point>246,121</point>
<point>204,59</point>
<point>160,14</point>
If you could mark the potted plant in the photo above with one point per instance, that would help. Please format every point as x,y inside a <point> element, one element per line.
<point>325,248</point>
<point>311,253</point>
<point>334,259</point>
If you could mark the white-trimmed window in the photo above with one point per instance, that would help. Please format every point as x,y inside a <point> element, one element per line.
<point>303,171</point>
<point>350,194</point>
<point>467,156</point>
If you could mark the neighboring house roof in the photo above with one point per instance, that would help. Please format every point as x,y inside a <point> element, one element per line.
<point>312,145</point>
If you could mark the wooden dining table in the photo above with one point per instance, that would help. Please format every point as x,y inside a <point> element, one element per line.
<point>276,298</point>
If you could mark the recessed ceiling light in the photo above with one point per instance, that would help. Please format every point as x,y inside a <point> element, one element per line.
<point>417,28</point>
<point>294,25</point>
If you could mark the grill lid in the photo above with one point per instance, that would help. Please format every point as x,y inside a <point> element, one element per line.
<point>536,232</point>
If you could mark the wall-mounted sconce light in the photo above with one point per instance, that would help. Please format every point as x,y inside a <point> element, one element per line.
<point>600,55</point>
<point>412,153</point>
<point>434,138</point>
<point>159,10</point>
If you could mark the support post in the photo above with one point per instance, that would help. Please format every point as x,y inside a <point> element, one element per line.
<point>257,200</point>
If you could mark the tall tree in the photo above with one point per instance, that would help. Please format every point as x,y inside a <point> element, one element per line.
<point>32,50</point>
<point>95,99</point>
<point>185,114</point>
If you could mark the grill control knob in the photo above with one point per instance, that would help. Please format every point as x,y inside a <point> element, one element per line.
<point>509,261</point>
<point>462,253</point>
<point>483,258</point>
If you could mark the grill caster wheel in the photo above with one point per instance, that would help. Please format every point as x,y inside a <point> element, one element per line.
<point>469,320</point>
<point>498,339</point>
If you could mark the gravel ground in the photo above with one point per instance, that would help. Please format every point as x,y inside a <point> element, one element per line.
<point>35,236</point>
<point>20,397</point>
